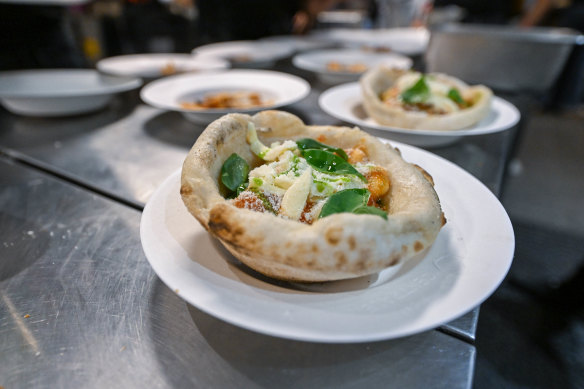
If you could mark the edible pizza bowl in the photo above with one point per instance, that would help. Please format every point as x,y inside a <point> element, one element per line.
<point>411,100</point>
<point>284,242</point>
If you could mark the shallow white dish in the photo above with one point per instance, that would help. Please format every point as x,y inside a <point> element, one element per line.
<point>298,43</point>
<point>279,89</point>
<point>468,261</point>
<point>60,92</point>
<point>317,61</point>
<point>246,53</point>
<point>344,102</point>
<point>158,65</point>
<point>408,40</point>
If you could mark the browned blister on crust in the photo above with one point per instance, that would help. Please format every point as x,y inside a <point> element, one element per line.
<point>339,246</point>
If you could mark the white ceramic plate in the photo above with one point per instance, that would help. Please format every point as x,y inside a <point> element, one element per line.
<point>60,92</point>
<point>468,261</point>
<point>158,65</point>
<point>345,103</point>
<point>298,43</point>
<point>408,41</point>
<point>246,53</point>
<point>279,89</point>
<point>317,61</point>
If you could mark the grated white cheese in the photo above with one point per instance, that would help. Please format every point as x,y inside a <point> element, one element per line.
<point>289,183</point>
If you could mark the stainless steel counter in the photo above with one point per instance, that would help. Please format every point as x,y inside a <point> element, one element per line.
<point>80,305</point>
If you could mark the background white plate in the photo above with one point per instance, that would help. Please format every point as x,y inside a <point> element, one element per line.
<point>317,61</point>
<point>468,261</point>
<point>169,92</point>
<point>257,53</point>
<point>59,92</point>
<point>408,41</point>
<point>297,43</point>
<point>344,102</point>
<point>152,65</point>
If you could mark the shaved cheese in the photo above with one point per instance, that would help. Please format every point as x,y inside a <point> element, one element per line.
<point>437,87</point>
<point>407,80</point>
<point>284,181</point>
<point>273,153</point>
<point>443,103</point>
<point>257,147</point>
<point>295,197</point>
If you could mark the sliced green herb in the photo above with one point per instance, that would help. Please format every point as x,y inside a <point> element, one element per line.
<point>257,182</point>
<point>323,187</point>
<point>327,162</point>
<point>267,205</point>
<point>418,93</point>
<point>454,95</point>
<point>234,172</point>
<point>308,143</point>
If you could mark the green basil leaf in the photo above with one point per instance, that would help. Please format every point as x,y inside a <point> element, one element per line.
<point>345,201</point>
<point>368,210</point>
<point>234,172</point>
<point>327,162</point>
<point>418,93</point>
<point>454,95</point>
<point>308,143</point>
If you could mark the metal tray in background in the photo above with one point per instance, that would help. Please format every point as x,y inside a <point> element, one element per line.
<point>505,58</point>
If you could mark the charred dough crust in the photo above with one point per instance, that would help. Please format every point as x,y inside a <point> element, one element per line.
<point>339,246</point>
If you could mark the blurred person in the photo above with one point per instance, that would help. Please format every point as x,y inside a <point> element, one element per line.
<point>484,11</point>
<point>37,36</point>
<point>150,26</point>
<point>555,13</point>
<point>224,20</point>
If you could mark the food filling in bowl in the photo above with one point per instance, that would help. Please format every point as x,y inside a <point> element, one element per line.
<point>305,180</point>
<point>227,100</point>
<point>418,92</point>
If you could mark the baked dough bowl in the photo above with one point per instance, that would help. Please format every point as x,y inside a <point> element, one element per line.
<point>377,80</point>
<point>339,246</point>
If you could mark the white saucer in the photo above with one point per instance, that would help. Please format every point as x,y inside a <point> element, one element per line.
<point>158,65</point>
<point>468,261</point>
<point>60,92</point>
<point>317,61</point>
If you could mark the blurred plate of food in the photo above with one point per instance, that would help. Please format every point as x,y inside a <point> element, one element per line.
<point>406,40</point>
<point>346,65</point>
<point>60,92</point>
<point>203,98</point>
<point>345,102</point>
<point>158,65</point>
<point>246,53</point>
